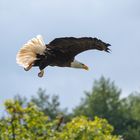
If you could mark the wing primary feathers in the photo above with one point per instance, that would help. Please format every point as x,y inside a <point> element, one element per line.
<point>100,45</point>
<point>108,49</point>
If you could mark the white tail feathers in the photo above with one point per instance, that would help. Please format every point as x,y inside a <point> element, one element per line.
<point>27,54</point>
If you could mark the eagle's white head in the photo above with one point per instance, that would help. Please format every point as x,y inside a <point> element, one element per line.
<point>78,65</point>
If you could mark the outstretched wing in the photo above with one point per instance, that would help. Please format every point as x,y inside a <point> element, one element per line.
<point>74,46</point>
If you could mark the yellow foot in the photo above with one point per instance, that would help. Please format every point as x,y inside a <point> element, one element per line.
<point>41,73</point>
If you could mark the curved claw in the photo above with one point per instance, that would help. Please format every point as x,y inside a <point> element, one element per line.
<point>29,67</point>
<point>41,73</point>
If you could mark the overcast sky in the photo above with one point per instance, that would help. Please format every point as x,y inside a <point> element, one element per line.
<point>114,21</point>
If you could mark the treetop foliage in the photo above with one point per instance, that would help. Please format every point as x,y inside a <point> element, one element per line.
<point>101,115</point>
<point>32,124</point>
<point>104,101</point>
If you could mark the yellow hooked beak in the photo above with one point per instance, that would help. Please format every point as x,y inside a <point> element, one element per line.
<point>85,67</point>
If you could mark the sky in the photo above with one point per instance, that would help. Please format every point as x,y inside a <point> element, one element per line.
<point>114,21</point>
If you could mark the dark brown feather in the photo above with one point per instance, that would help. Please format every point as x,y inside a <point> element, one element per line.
<point>73,46</point>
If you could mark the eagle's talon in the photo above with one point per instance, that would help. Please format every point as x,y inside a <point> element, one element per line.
<point>29,67</point>
<point>41,73</point>
<point>25,69</point>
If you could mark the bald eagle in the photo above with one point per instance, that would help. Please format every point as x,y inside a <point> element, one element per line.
<point>59,52</point>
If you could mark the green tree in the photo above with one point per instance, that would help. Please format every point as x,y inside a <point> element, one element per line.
<point>131,106</point>
<point>30,123</point>
<point>22,123</point>
<point>50,105</point>
<point>104,101</point>
<point>133,103</point>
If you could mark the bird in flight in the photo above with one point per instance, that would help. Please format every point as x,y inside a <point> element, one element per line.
<point>59,52</point>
